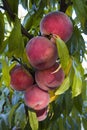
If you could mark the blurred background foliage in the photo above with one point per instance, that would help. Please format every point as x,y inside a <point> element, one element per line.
<point>69,109</point>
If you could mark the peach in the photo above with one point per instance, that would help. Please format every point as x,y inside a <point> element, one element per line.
<point>36,98</point>
<point>41,52</point>
<point>20,78</point>
<point>57,23</point>
<point>42,114</point>
<point>49,78</point>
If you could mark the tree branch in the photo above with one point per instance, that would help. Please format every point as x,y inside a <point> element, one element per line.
<point>25,32</point>
<point>7,8</point>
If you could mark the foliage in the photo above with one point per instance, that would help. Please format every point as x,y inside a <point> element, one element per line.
<point>68,109</point>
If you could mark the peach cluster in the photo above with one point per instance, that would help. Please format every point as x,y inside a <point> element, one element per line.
<point>42,55</point>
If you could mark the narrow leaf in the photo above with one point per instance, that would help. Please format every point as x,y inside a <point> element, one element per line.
<point>16,45</point>
<point>77,80</point>
<point>77,45</point>
<point>80,10</point>
<point>78,103</point>
<point>84,93</point>
<point>3,46</point>
<point>13,5</point>
<point>4,122</point>
<point>2,101</point>
<point>20,116</point>
<point>33,120</point>
<point>84,122</point>
<point>11,113</point>
<point>77,85</point>
<point>68,102</point>
<point>32,19</point>
<point>69,11</point>
<point>63,52</point>
<point>65,86</point>
<point>5,72</point>
<point>61,124</point>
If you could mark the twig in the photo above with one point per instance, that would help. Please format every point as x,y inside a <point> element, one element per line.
<point>25,32</point>
<point>23,65</point>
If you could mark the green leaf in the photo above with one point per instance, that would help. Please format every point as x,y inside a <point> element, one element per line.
<point>20,117</point>
<point>68,102</point>
<point>69,10</point>
<point>53,125</point>
<point>76,44</point>
<point>84,122</point>
<point>84,93</point>
<point>61,123</point>
<point>77,85</point>
<point>2,101</point>
<point>3,46</point>
<point>80,10</point>
<point>65,86</point>
<point>32,19</point>
<point>12,112</point>
<point>16,97</point>
<point>74,115</point>
<point>63,52</point>
<point>73,123</point>
<point>85,28</point>
<point>5,72</point>
<point>79,7</point>
<point>16,44</point>
<point>13,5</point>
<point>77,79</point>
<point>33,120</point>
<point>4,122</point>
<point>1,28</point>
<point>78,102</point>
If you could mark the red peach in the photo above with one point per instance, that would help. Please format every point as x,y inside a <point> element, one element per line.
<point>49,78</point>
<point>41,52</point>
<point>36,98</point>
<point>20,78</point>
<point>57,23</point>
<point>42,114</point>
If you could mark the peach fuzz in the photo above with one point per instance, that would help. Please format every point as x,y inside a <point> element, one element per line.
<point>49,78</point>
<point>20,78</point>
<point>57,23</point>
<point>36,98</point>
<point>41,52</point>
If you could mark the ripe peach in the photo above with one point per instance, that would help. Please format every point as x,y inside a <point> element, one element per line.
<point>36,98</point>
<point>49,78</point>
<point>41,52</point>
<point>57,23</point>
<point>20,78</point>
<point>42,114</point>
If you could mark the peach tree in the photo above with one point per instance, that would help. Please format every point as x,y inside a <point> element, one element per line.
<point>43,53</point>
